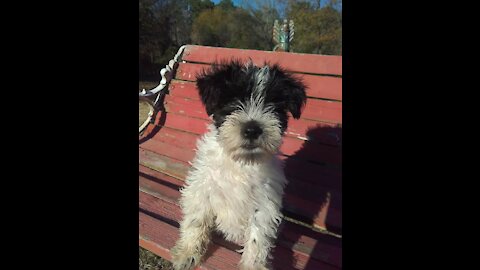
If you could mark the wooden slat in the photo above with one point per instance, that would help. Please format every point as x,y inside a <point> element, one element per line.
<point>297,62</point>
<point>158,186</point>
<point>184,123</point>
<point>291,235</point>
<point>168,141</point>
<point>295,168</point>
<point>161,204</point>
<point>176,137</point>
<point>302,129</point>
<point>323,110</point>
<point>313,173</point>
<point>324,87</point>
<point>167,179</point>
<point>150,245</point>
<point>169,150</point>
<point>187,92</point>
<point>185,106</point>
<point>315,132</point>
<point>318,110</point>
<point>320,246</point>
<point>167,165</point>
<point>189,71</point>
<point>325,133</point>
<point>169,133</point>
<point>317,211</point>
<point>321,214</point>
<point>307,150</point>
<point>285,258</point>
<point>162,237</point>
<point>311,151</point>
<point>313,192</point>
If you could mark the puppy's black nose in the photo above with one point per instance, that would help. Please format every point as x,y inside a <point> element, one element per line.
<point>252,130</point>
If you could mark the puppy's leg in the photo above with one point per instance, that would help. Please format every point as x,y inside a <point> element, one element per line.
<point>194,234</point>
<point>260,237</point>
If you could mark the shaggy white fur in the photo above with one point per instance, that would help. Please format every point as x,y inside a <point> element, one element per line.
<point>236,181</point>
<point>230,131</point>
<point>242,200</point>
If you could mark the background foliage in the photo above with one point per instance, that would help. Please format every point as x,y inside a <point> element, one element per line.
<point>165,25</point>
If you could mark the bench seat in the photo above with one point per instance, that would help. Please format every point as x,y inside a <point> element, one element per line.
<point>310,235</point>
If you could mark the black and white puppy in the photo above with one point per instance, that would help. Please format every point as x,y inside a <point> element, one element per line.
<point>236,181</point>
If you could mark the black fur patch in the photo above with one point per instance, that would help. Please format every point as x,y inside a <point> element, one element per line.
<point>226,83</point>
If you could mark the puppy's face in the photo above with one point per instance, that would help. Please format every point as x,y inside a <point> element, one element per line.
<point>250,106</point>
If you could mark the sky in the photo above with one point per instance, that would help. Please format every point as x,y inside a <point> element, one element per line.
<point>235,2</point>
<point>239,2</point>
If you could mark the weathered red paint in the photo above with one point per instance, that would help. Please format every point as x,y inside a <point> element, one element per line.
<point>314,191</point>
<point>297,62</point>
<point>318,110</point>
<point>325,87</point>
<point>311,204</point>
<point>181,145</point>
<point>162,237</point>
<point>167,165</point>
<point>143,170</point>
<point>324,133</point>
<point>169,150</point>
<point>304,242</point>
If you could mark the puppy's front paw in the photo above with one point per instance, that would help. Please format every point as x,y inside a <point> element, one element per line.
<point>183,259</point>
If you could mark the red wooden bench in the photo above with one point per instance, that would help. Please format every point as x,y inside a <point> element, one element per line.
<point>310,236</point>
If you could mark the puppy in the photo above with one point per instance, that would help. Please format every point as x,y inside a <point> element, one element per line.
<point>236,181</point>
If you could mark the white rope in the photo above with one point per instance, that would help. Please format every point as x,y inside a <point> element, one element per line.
<point>167,75</point>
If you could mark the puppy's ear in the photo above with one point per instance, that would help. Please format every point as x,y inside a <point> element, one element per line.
<point>296,98</point>
<point>293,90</point>
<point>214,84</point>
<point>210,90</point>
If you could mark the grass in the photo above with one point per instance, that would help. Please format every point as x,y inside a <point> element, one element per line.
<point>150,261</point>
<point>146,85</point>
<point>144,108</point>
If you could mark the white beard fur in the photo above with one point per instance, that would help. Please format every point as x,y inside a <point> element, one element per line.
<point>241,200</point>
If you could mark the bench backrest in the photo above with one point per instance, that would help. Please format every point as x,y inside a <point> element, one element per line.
<point>311,150</point>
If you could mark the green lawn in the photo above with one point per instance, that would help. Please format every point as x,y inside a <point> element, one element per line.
<point>146,85</point>
<point>143,107</point>
<point>150,261</point>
